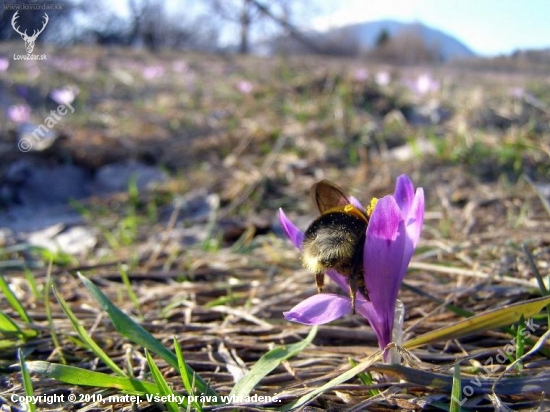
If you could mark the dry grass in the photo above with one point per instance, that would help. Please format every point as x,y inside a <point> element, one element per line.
<point>259,151</point>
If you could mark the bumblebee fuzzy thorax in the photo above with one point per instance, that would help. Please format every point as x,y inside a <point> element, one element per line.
<point>323,250</point>
<point>332,241</point>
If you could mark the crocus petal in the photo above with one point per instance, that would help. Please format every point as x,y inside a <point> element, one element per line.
<point>356,203</point>
<point>294,234</point>
<point>404,193</point>
<point>319,309</point>
<point>339,279</point>
<point>415,218</point>
<point>376,320</point>
<point>413,229</point>
<point>383,264</point>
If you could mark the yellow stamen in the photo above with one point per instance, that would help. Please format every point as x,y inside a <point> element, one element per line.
<point>370,208</point>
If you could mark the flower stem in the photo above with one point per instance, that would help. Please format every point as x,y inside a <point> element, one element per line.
<point>392,355</point>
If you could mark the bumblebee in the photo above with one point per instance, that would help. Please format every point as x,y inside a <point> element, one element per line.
<point>336,239</point>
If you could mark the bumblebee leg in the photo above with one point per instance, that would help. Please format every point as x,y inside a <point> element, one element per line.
<point>365,290</point>
<point>320,281</point>
<point>353,289</point>
<point>361,283</point>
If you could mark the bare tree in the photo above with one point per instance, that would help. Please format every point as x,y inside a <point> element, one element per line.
<point>147,22</point>
<point>240,12</point>
<point>152,26</point>
<point>250,14</point>
<point>407,47</point>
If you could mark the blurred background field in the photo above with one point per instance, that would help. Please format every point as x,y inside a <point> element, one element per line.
<point>183,145</point>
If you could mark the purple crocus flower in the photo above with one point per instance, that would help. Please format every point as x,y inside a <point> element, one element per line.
<point>64,95</point>
<point>361,74</point>
<point>245,87</point>
<point>4,64</point>
<point>392,234</point>
<point>153,72</point>
<point>383,78</point>
<point>425,84</point>
<point>19,113</point>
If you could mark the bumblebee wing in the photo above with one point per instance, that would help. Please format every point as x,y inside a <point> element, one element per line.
<point>327,195</point>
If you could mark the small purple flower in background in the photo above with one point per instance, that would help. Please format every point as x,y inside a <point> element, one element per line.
<point>64,95</point>
<point>152,72</point>
<point>4,64</point>
<point>517,92</point>
<point>425,84</point>
<point>245,87</point>
<point>392,234</point>
<point>361,74</point>
<point>19,113</point>
<point>383,78</point>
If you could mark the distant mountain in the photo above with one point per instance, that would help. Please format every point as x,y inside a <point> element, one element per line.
<point>362,37</point>
<point>366,34</point>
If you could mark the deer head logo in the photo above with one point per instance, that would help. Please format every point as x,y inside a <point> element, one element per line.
<point>29,40</point>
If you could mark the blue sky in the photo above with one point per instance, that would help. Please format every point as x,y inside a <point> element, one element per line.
<point>488,27</point>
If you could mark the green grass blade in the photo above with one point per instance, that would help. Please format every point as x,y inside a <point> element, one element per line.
<point>48,311</point>
<point>13,301</point>
<point>133,193</point>
<point>8,327</point>
<point>365,378</point>
<point>137,334</point>
<point>31,280</point>
<point>85,377</point>
<point>492,319</point>
<point>127,327</point>
<point>182,369</point>
<point>86,338</point>
<point>129,290</point>
<point>27,383</point>
<point>267,363</point>
<point>13,334</point>
<point>188,381</point>
<point>535,270</point>
<point>456,391</point>
<point>537,347</point>
<point>164,389</point>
